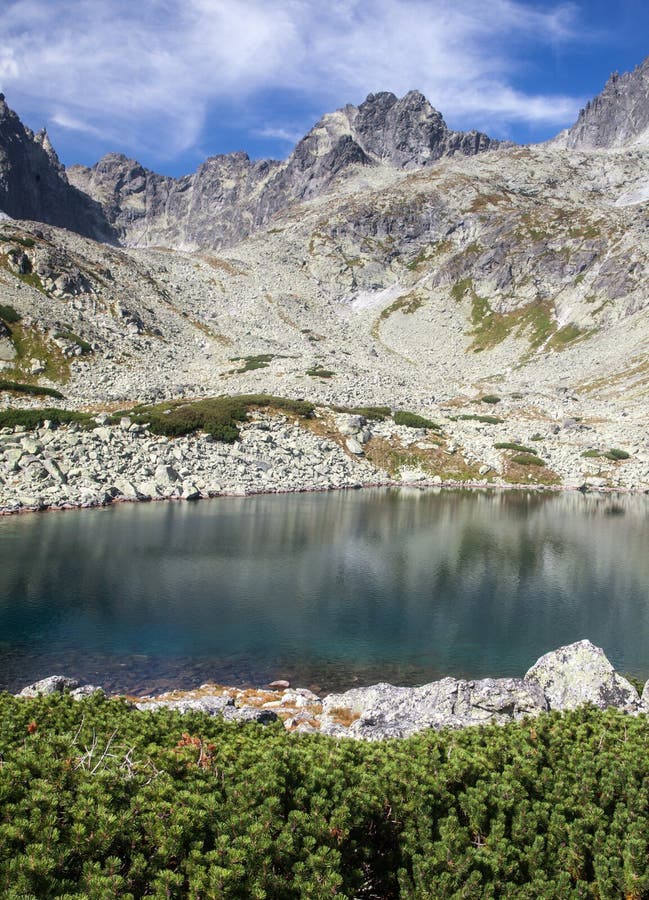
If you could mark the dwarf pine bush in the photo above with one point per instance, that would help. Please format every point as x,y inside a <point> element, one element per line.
<point>99,800</point>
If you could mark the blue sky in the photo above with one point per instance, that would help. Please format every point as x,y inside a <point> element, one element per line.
<point>171,82</point>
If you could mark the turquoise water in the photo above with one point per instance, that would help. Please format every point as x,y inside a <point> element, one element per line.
<point>328,590</point>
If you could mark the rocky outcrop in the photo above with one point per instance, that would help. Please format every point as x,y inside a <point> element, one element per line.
<point>230,196</point>
<point>384,711</point>
<point>572,676</point>
<point>33,183</point>
<point>618,117</point>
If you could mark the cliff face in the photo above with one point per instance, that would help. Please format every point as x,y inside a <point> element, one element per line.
<point>618,117</point>
<point>231,196</point>
<point>33,183</point>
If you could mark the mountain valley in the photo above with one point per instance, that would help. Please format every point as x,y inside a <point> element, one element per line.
<point>498,291</point>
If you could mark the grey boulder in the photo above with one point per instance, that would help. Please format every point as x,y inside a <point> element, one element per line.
<point>580,673</point>
<point>384,711</point>
<point>54,684</point>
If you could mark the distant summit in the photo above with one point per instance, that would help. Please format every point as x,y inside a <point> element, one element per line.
<point>33,183</point>
<point>618,117</point>
<point>230,196</point>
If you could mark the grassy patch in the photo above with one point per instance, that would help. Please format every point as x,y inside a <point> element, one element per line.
<point>461,288</point>
<point>565,336</point>
<point>393,457</point>
<point>33,389</point>
<point>406,305</point>
<point>412,420</point>
<point>33,280</point>
<point>218,416</point>
<point>591,454</point>
<point>16,239</point>
<point>30,344</point>
<point>250,363</point>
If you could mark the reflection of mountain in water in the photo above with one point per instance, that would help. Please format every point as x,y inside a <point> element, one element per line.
<point>405,583</point>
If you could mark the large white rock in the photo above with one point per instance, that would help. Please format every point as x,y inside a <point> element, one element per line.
<point>580,673</point>
<point>54,684</point>
<point>385,711</point>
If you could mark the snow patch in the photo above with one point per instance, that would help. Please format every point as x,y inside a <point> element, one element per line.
<point>638,194</point>
<point>370,299</point>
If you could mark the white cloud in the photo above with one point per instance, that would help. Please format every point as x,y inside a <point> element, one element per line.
<point>144,75</point>
<point>288,135</point>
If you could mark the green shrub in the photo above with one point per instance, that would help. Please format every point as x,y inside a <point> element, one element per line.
<point>412,420</point>
<point>505,445</point>
<point>317,372</point>
<point>487,420</point>
<point>34,418</point>
<point>99,800</point>
<point>527,459</point>
<point>16,239</point>
<point>616,454</point>
<point>250,363</point>
<point>8,314</point>
<point>490,398</point>
<point>591,454</point>
<point>217,416</point>
<point>34,389</point>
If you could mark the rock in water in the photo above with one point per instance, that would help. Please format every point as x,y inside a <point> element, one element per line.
<point>580,673</point>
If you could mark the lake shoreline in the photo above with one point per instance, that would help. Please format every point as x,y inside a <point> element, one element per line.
<point>564,679</point>
<point>67,506</point>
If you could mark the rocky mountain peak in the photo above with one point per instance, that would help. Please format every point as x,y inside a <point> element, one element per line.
<point>618,117</point>
<point>34,185</point>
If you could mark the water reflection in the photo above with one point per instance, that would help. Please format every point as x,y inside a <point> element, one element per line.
<point>329,589</point>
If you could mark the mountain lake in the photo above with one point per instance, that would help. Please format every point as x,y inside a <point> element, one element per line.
<point>326,590</point>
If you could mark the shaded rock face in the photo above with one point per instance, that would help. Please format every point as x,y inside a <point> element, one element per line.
<point>33,183</point>
<point>229,197</point>
<point>618,117</point>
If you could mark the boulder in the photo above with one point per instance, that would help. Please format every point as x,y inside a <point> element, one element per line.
<point>580,673</point>
<point>210,704</point>
<point>385,711</point>
<point>54,684</point>
<point>249,714</point>
<point>86,690</point>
